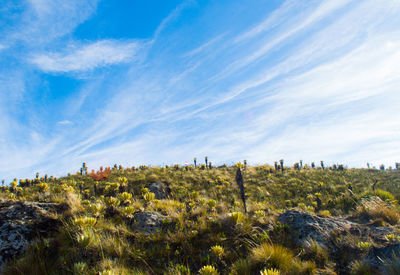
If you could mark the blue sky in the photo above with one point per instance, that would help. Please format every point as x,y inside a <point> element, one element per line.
<point>160,82</point>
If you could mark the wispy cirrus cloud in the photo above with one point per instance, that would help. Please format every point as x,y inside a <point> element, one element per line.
<point>307,80</point>
<point>27,27</point>
<point>87,57</point>
<point>46,20</point>
<point>65,122</point>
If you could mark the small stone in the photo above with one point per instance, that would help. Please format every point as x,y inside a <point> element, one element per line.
<point>160,190</point>
<point>147,222</point>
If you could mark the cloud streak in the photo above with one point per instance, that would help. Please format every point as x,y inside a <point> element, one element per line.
<point>87,57</point>
<point>312,81</point>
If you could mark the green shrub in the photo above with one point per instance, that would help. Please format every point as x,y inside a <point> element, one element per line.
<point>85,222</point>
<point>178,270</point>
<point>217,251</point>
<point>111,201</point>
<point>237,217</point>
<point>271,271</point>
<point>360,268</point>
<point>384,195</point>
<point>80,268</point>
<point>208,270</point>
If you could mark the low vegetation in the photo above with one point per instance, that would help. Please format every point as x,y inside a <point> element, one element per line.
<point>200,226</point>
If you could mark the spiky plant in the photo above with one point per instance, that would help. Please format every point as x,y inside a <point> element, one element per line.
<point>125,198</point>
<point>80,268</point>
<point>111,201</point>
<point>147,195</point>
<point>217,251</point>
<point>237,217</point>
<point>270,271</point>
<point>85,222</point>
<point>208,270</point>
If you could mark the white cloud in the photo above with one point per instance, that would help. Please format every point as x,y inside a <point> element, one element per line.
<point>87,57</point>
<point>300,116</point>
<point>274,19</point>
<point>171,17</point>
<point>355,140</point>
<point>45,20</point>
<point>331,95</point>
<point>65,122</point>
<point>290,29</point>
<point>203,46</point>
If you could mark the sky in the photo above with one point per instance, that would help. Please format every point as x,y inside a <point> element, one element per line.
<point>161,82</point>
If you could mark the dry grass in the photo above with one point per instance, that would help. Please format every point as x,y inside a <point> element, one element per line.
<point>74,202</point>
<point>375,208</point>
<point>269,255</point>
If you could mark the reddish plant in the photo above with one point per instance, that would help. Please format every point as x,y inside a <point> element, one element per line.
<point>101,174</point>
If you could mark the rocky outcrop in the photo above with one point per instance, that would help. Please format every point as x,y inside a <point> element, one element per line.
<point>160,190</point>
<point>147,222</point>
<point>22,222</point>
<point>340,237</point>
<point>308,226</point>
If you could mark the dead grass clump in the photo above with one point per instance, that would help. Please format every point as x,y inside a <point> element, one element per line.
<point>375,208</point>
<point>276,256</point>
<point>74,203</point>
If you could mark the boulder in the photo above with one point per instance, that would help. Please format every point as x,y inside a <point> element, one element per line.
<point>308,226</point>
<point>332,233</point>
<point>22,222</point>
<point>147,222</point>
<point>160,190</point>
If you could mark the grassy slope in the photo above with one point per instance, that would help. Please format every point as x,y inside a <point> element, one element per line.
<point>205,228</point>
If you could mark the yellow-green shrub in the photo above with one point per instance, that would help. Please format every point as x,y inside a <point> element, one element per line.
<point>85,221</point>
<point>271,271</point>
<point>217,251</point>
<point>208,270</point>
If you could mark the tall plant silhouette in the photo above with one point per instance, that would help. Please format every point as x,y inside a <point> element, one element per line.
<point>239,181</point>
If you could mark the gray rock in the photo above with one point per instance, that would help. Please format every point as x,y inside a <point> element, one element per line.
<point>378,257</point>
<point>305,226</point>
<point>147,222</point>
<point>308,226</point>
<point>160,190</point>
<point>21,222</point>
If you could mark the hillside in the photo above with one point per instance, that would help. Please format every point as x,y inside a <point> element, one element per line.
<point>187,220</point>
